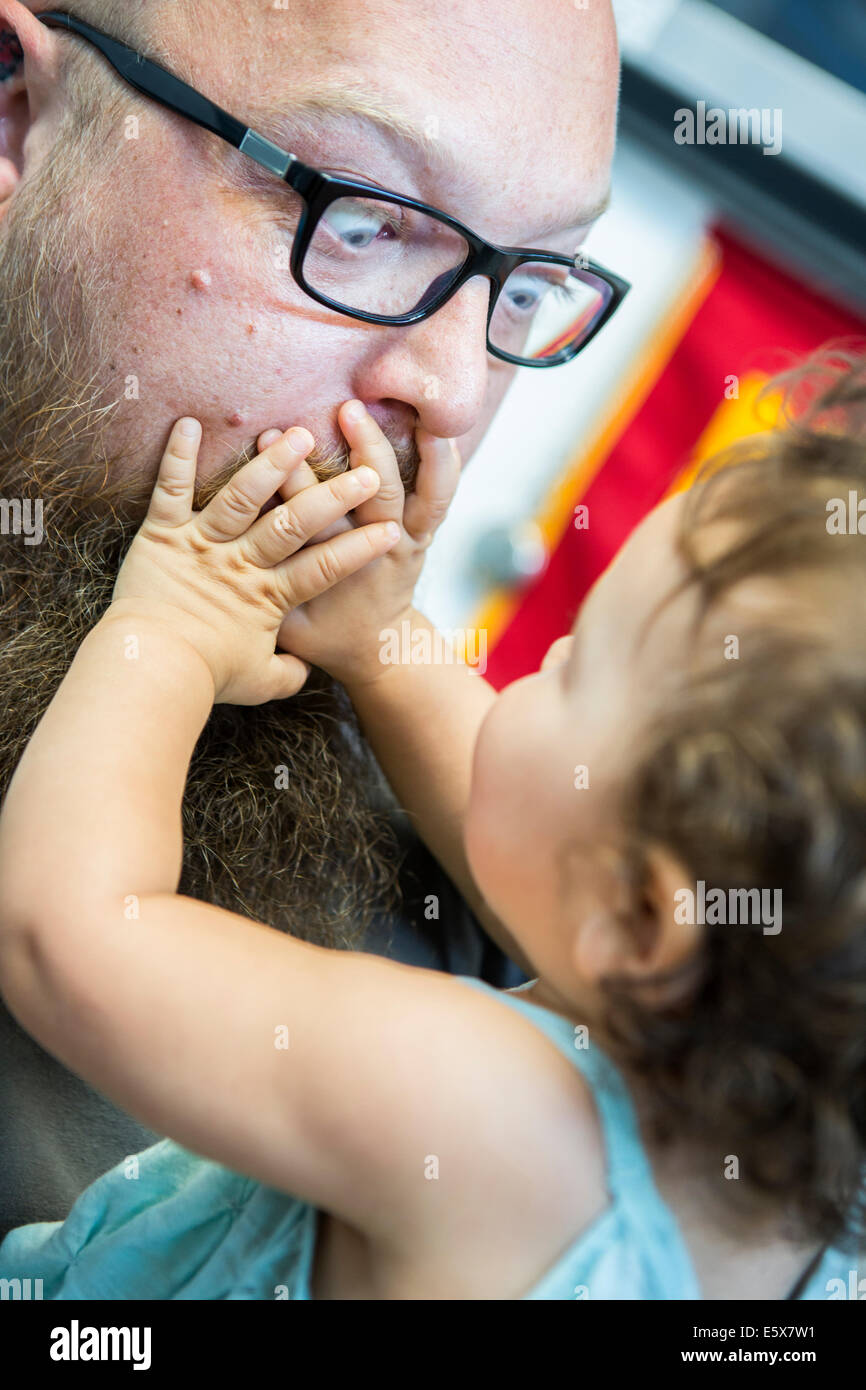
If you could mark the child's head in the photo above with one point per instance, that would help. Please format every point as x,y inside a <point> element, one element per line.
<point>704,731</point>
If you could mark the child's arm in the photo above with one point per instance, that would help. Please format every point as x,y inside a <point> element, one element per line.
<point>420,718</point>
<point>327,1074</point>
<point>422,722</point>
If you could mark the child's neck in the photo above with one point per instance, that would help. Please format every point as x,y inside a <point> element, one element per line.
<point>584,1010</point>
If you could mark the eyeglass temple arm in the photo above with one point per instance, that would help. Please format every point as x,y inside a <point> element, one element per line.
<point>155,81</point>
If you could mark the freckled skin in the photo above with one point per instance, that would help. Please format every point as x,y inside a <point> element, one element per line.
<point>169,223</point>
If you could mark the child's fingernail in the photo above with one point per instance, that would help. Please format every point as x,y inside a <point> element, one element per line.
<point>300,439</point>
<point>355,410</point>
<point>392,531</point>
<point>189,427</point>
<point>365,477</point>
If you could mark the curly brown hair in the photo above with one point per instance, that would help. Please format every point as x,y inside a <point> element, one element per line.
<point>755,775</point>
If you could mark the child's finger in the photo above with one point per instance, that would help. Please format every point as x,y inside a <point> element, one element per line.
<point>283,531</point>
<point>303,477</point>
<point>300,477</point>
<point>266,439</point>
<point>287,675</point>
<point>237,505</point>
<point>319,567</point>
<point>370,447</point>
<point>435,485</point>
<point>172,500</point>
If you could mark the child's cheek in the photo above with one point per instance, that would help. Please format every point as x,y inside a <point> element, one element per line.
<point>490,818</point>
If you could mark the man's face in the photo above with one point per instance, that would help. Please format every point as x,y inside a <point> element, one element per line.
<point>517,104</point>
<point>141,279</point>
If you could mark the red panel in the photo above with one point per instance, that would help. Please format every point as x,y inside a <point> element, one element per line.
<point>754,315</point>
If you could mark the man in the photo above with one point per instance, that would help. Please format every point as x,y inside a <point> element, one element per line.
<point>142,259</point>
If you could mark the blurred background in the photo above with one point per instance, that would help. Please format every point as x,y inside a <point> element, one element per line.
<point>741,262</point>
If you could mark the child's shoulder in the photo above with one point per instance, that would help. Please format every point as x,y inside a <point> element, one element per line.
<point>584,1204</point>
<point>496,1119</point>
<point>603,1114</point>
<point>526,1059</point>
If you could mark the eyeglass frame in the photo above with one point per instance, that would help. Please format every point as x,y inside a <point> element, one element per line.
<point>319,190</point>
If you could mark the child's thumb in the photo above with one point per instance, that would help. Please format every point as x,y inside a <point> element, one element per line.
<point>288,675</point>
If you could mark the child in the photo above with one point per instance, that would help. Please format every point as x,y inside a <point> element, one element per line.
<point>674,1108</point>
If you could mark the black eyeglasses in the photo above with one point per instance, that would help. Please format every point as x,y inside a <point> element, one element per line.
<point>384,258</point>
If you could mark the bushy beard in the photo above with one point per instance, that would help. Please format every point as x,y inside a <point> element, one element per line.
<point>286,818</point>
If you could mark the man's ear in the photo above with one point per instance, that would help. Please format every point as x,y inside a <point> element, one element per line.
<point>29,70</point>
<point>634,930</point>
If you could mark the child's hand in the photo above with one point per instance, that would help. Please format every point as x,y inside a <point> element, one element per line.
<point>225,578</point>
<point>340,630</point>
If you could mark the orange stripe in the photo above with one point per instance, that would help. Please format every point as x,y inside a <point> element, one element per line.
<point>499,607</point>
<point>745,414</point>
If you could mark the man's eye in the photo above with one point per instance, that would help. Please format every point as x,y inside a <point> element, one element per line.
<point>526,292</point>
<point>523,294</point>
<point>357,226</point>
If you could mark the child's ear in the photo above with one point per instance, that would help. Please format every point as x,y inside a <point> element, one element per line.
<point>29,70</point>
<point>636,933</point>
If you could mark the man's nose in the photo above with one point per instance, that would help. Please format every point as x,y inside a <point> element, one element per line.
<point>438,367</point>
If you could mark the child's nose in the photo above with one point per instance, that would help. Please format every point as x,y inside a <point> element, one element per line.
<point>558,652</point>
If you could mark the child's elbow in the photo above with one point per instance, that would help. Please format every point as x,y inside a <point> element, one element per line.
<point>20,962</point>
<point>37,972</point>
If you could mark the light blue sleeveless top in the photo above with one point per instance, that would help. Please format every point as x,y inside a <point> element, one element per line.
<point>187,1228</point>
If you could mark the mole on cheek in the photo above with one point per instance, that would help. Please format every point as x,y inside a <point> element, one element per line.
<point>235,419</point>
<point>200,279</point>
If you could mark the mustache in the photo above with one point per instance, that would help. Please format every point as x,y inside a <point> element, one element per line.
<point>132,496</point>
<point>325,464</point>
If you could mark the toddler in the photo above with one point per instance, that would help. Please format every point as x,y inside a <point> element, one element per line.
<point>665,826</point>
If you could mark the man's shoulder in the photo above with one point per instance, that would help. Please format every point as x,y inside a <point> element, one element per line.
<point>59,1135</point>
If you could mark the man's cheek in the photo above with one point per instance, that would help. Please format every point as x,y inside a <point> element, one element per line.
<point>499,384</point>
<point>468,443</point>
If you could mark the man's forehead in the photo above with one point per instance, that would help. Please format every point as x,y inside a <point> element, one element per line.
<point>417,141</point>
<point>507,98</point>
<point>547,41</point>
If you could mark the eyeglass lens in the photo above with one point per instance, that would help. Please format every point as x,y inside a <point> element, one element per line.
<point>378,257</point>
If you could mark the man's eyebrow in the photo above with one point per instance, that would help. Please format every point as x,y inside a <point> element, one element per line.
<point>304,115</point>
<point>582,217</point>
